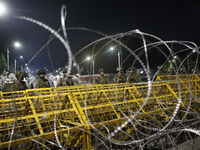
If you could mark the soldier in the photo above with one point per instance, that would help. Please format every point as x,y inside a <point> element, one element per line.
<point>65,81</point>
<point>19,85</point>
<point>42,82</point>
<point>134,77</point>
<point>101,79</point>
<point>120,77</point>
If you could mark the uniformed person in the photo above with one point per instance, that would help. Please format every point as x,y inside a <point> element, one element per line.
<point>101,79</point>
<point>134,77</point>
<point>63,81</point>
<point>19,85</point>
<point>120,77</point>
<point>42,82</point>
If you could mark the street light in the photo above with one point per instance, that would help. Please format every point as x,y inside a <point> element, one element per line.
<point>16,44</point>
<point>88,58</point>
<point>77,66</point>
<point>16,64</point>
<point>2,9</point>
<point>118,54</point>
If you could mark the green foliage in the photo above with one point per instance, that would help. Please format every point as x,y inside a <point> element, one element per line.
<point>3,63</point>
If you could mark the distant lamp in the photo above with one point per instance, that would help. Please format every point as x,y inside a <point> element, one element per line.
<point>175,57</point>
<point>88,58</point>
<point>111,48</point>
<point>193,51</point>
<point>21,56</point>
<point>17,44</point>
<point>74,64</point>
<point>2,9</point>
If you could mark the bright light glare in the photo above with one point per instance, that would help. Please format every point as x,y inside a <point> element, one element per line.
<point>2,9</point>
<point>193,51</point>
<point>74,64</point>
<point>175,56</point>
<point>21,56</point>
<point>17,44</point>
<point>111,48</point>
<point>88,58</point>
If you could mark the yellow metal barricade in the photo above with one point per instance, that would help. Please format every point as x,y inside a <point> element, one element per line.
<point>81,116</point>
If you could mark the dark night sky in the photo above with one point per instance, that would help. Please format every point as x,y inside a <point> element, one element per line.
<point>170,20</point>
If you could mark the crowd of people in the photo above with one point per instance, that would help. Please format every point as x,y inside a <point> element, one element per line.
<point>65,80</point>
<point>121,77</point>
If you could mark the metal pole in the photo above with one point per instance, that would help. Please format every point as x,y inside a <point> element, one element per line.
<point>118,58</point>
<point>15,65</point>
<point>8,58</point>
<point>93,71</point>
<point>78,69</point>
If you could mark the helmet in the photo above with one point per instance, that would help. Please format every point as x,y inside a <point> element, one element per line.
<point>21,74</point>
<point>41,72</point>
<point>120,69</point>
<point>24,74</point>
<point>101,70</point>
<point>65,71</point>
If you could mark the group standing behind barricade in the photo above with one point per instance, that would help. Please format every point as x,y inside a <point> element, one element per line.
<point>66,80</point>
<point>42,82</point>
<point>120,77</point>
<point>101,79</point>
<point>133,77</point>
<point>19,84</point>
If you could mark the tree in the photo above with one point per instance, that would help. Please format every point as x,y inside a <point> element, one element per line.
<point>3,63</point>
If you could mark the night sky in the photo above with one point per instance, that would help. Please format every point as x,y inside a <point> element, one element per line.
<point>169,20</point>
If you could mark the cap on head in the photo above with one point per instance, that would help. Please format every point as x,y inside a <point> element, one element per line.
<point>65,71</point>
<point>24,74</point>
<point>101,70</point>
<point>41,72</point>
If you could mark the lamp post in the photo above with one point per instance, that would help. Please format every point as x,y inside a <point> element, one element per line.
<point>119,52</point>
<point>15,62</point>
<point>88,58</point>
<point>77,67</point>
<point>16,44</point>
<point>15,65</point>
<point>8,58</point>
